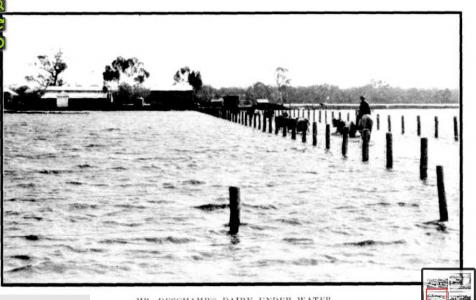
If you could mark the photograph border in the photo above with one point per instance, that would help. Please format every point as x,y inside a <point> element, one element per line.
<point>323,283</point>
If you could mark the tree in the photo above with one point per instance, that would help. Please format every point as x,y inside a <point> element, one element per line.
<point>127,93</point>
<point>50,70</point>
<point>259,90</point>
<point>282,81</point>
<point>185,75</point>
<point>129,70</point>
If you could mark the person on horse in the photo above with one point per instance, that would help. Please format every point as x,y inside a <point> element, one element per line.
<point>364,109</point>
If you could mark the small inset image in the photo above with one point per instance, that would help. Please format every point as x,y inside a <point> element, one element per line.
<point>451,284</point>
<point>437,283</point>
<point>460,281</point>
<point>436,294</point>
<point>460,297</point>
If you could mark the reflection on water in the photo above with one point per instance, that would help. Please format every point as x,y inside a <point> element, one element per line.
<point>143,197</point>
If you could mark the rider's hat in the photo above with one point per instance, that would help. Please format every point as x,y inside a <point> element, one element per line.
<point>362,98</point>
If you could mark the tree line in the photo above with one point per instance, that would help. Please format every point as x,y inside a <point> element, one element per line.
<point>124,79</point>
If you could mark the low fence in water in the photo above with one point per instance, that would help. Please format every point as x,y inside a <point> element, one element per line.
<point>264,121</point>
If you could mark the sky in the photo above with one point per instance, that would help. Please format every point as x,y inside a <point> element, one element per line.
<point>407,51</point>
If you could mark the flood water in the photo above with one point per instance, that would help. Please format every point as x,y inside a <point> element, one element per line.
<point>115,197</point>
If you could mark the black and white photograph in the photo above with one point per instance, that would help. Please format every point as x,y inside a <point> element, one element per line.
<point>231,148</point>
<point>460,281</point>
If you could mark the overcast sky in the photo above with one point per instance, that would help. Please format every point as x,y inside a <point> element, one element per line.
<point>346,50</point>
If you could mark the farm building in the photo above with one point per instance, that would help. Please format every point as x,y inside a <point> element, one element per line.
<point>77,98</point>
<point>171,99</point>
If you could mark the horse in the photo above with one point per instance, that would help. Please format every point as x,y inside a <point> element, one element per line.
<point>365,122</point>
<point>302,125</point>
<point>341,126</point>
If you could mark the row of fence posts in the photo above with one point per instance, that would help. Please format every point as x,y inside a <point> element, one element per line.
<point>436,122</point>
<point>242,118</point>
<point>235,203</point>
<point>255,121</point>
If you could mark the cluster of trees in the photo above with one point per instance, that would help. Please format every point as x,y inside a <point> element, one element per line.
<point>124,78</point>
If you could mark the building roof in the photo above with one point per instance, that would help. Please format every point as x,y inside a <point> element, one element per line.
<point>76,94</point>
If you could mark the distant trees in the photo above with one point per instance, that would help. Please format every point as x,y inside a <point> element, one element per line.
<point>325,93</point>
<point>49,71</point>
<point>124,78</point>
<point>185,75</point>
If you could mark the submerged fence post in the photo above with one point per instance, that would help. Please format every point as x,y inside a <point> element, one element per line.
<point>389,122</point>
<point>348,117</point>
<point>455,125</point>
<point>378,122</point>
<point>441,194</point>
<point>325,116</point>
<point>418,125</point>
<point>235,207</point>
<point>276,128</point>
<point>389,150</point>
<point>423,158</point>
<point>436,127</point>
<point>259,121</point>
<point>254,120</point>
<point>365,144</point>
<point>345,141</point>
<point>308,114</point>
<point>264,123</point>
<point>403,124</point>
<point>340,116</point>
<point>328,136</point>
<point>314,115</point>
<point>270,124</point>
<point>304,133</point>
<point>332,115</point>
<point>314,133</point>
<point>285,130</point>
<point>320,119</point>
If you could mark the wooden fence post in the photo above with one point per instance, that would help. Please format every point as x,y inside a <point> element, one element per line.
<point>418,125</point>
<point>455,126</point>
<point>328,136</point>
<point>270,124</point>
<point>378,122</point>
<point>365,144</point>
<point>441,194</point>
<point>436,127</point>
<point>345,141</point>
<point>423,158</point>
<point>403,124</point>
<point>389,122</point>
<point>235,206</point>
<point>389,150</point>
<point>314,133</point>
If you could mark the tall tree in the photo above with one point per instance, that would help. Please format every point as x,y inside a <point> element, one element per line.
<point>50,70</point>
<point>129,70</point>
<point>282,82</point>
<point>185,75</point>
